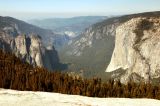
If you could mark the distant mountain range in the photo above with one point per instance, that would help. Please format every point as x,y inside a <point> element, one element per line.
<point>88,54</point>
<point>18,37</point>
<point>69,26</point>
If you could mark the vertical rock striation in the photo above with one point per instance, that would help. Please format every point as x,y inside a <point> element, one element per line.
<point>29,48</point>
<point>137,50</point>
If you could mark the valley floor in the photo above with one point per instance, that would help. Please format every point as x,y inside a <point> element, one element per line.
<point>29,98</point>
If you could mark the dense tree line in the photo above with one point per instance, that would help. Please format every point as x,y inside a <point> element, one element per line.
<point>15,74</point>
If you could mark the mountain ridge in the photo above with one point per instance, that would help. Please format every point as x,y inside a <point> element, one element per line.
<point>25,41</point>
<point>93,49</point>
<point>70,26</point>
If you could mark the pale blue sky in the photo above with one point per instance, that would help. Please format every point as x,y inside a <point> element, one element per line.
<point>25,9</point>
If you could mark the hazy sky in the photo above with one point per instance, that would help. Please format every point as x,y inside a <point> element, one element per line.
<point>27,9</point>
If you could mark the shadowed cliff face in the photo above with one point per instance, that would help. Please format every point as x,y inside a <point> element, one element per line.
<point>137,50</point>
<point>29,43</point>
<point>29,48</point>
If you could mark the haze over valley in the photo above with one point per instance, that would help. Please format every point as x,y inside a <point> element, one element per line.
<point>94,48</point>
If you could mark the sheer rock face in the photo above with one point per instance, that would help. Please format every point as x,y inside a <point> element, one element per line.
<point>20,43</point>
<point>90,36</point>
<point>29,48</point>
<point>137,50</point>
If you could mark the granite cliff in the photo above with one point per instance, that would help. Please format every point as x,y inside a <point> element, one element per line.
<point>29,48</point>
<point>137,50</point>
<point>92,51</point>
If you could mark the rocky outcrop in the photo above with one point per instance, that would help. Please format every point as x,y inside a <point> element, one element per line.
<point>30,49</point>
<point>92,51</point>
<point>100,31</point>
<point>137,50</point>
<point>90,36</point>
<point>28,42</point>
